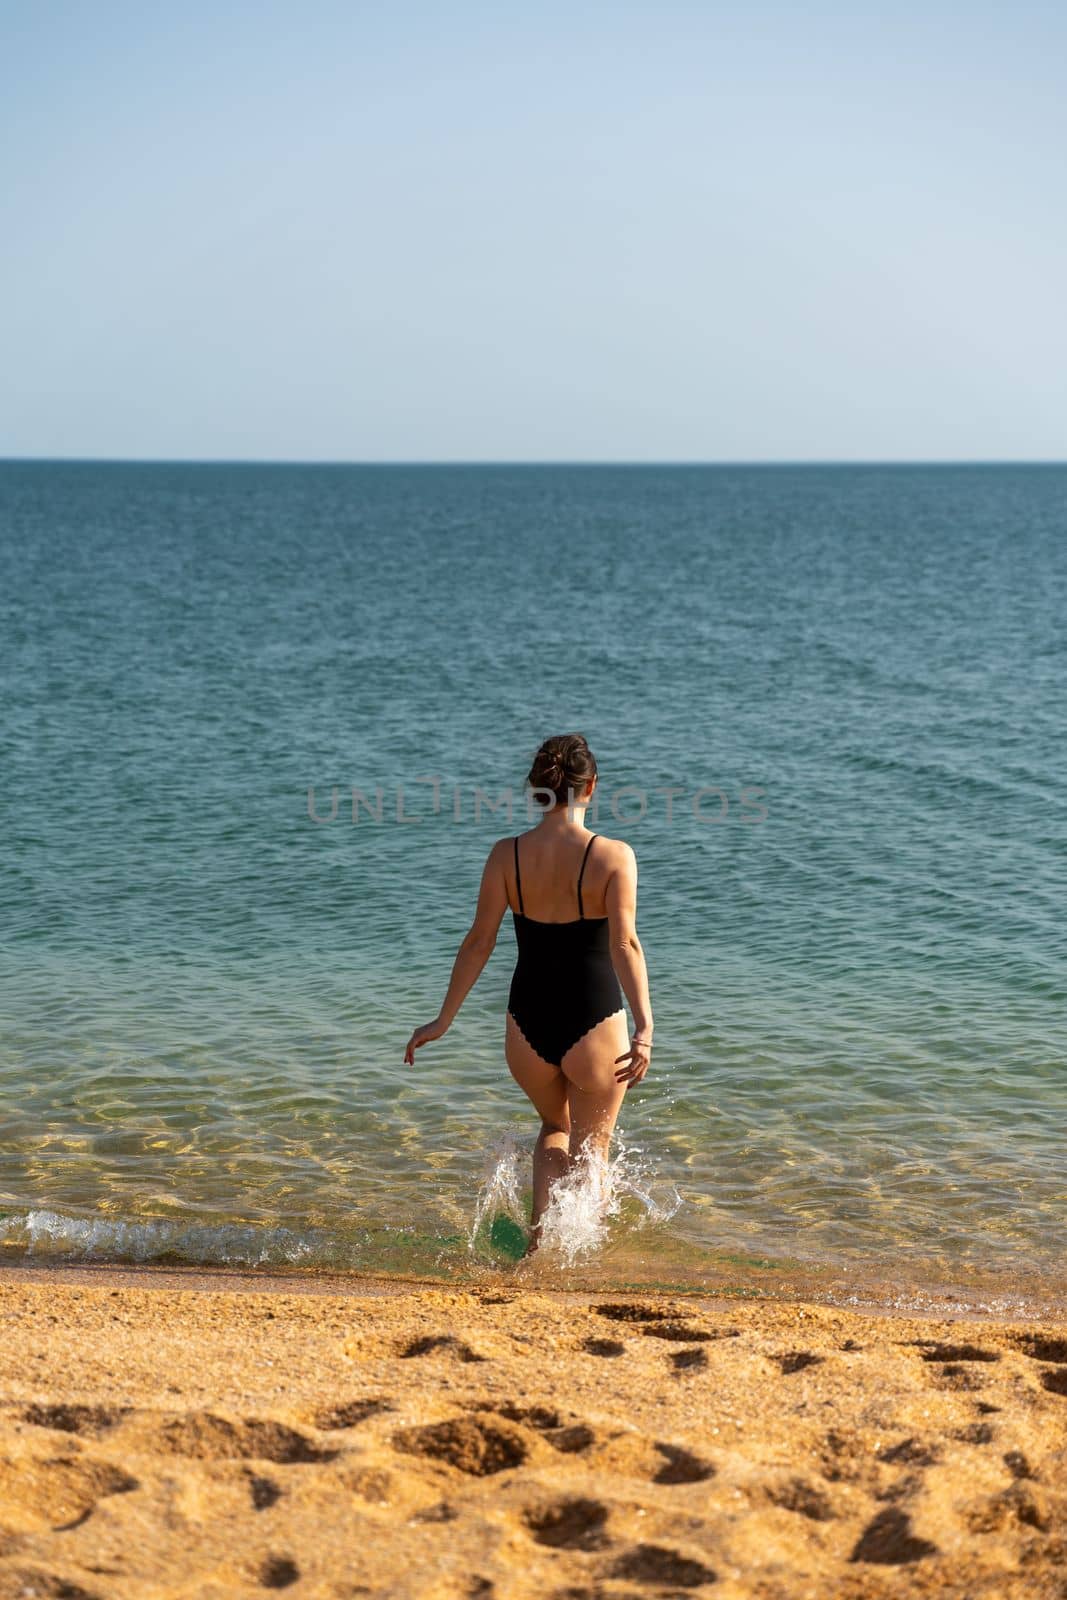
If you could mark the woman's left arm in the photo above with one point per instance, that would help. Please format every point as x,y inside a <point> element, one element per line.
<point>472,954</point>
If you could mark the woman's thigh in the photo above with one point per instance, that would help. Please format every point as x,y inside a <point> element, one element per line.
<point>540,1081</point>
<point>589,1067</point>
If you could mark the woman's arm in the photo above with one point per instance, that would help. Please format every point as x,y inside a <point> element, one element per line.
<point>472,954</point>
<point>628,959</point>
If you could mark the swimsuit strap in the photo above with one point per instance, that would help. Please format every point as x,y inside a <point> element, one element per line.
<point>581,875</point>
<point>518,878</point>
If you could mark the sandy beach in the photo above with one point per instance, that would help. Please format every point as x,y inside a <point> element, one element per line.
<point>162,1436</point>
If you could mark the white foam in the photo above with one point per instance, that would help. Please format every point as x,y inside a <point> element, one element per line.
<point>594,1193</point>
<point>51,1234</point>
<point>501,1189</point>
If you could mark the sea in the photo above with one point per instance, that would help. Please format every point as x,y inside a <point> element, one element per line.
<point>260,726</point>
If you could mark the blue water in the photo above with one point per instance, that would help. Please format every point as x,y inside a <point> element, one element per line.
<point>858,975</point>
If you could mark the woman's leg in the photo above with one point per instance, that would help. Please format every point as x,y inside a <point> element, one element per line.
<point>547,1088</point>
<point>593,1095</point>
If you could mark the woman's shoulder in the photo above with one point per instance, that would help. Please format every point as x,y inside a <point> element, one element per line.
<point>504,849</point>
<point>611,855</point>
<point>618,851</point>
<point>615,851</point>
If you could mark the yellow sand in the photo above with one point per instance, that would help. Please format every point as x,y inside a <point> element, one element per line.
<point>196,1441</point>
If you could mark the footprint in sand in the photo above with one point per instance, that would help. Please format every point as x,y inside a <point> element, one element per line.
<point>439,1344</point>
<point>796,1494</point>
<point>1016,1504</point>
<point>623,1311</point>
<point>203,1435</point>
<point>974,1433</point>
<point>912,1452</point>
<point>679,1333</point>
<point>496,1437</point>
<point>603,1347</point>
<point>669,1464</point>
<point>198,1434</point>
<point>889,1541</point>
<point>72,1418</point>
<point>654,1563</point>
<point>350,1413</point>
<point>628,1454</point>
<point>846,1458</point>
<point>1018,1465</point>
<point>796,1360</point>
<point>543,1418</point>
<point>569,1437</point>
<point>573,1524</point>
<point>657,1323</point>
<point>689,1360</point>
<point>474,1445</point>
<point>58,1493</point>
<point>955,1362</point>
<point>572,1439</point>
<point>905,1488</point>
<point>954,1375</point>
<point>1039,1347</point>
<point>442,1512</point>
<point>955,1352</point>
<point>681,1466</point>
<point>264,1492</point>
<point>278,1572</point>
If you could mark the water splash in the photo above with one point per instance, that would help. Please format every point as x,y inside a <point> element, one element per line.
<point>594,1192</point>
<point>501,1191</point>
<point>591,1195</point>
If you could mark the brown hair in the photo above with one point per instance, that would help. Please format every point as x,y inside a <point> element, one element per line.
<point>564,762</point>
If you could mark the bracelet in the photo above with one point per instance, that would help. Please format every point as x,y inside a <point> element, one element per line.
<point>646,1042</point>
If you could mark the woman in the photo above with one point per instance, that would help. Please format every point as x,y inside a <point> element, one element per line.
<point>574,903</point>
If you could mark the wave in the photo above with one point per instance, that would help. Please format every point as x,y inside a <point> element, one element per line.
<point>53,1236</point>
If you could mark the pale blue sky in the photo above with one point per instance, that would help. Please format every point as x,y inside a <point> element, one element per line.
<point>557,232</point>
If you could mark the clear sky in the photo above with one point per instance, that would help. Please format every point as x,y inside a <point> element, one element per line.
<point>336,231</point>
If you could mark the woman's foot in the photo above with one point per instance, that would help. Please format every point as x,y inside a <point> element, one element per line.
<point>533,1242</point>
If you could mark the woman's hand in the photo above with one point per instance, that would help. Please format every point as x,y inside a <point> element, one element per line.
<point>638,1059</point>
<point>423,1035</point>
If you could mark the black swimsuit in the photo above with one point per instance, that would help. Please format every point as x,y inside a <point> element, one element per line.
<point>564,982</point>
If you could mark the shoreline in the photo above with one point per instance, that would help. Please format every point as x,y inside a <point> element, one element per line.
<point>874,1297</point>
<point>164,1432</point>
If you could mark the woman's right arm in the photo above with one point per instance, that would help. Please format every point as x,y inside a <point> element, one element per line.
<point>473,953</point>
<point>628,959</point>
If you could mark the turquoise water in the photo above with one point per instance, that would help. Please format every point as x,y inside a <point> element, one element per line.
<point>859,976</point>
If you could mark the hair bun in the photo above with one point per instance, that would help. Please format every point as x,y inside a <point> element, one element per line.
<point>563,763</point>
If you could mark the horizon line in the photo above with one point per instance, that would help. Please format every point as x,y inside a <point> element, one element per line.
<point>539,461</point>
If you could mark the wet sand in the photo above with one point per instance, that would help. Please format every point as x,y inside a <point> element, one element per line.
<point>168,1436</point>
